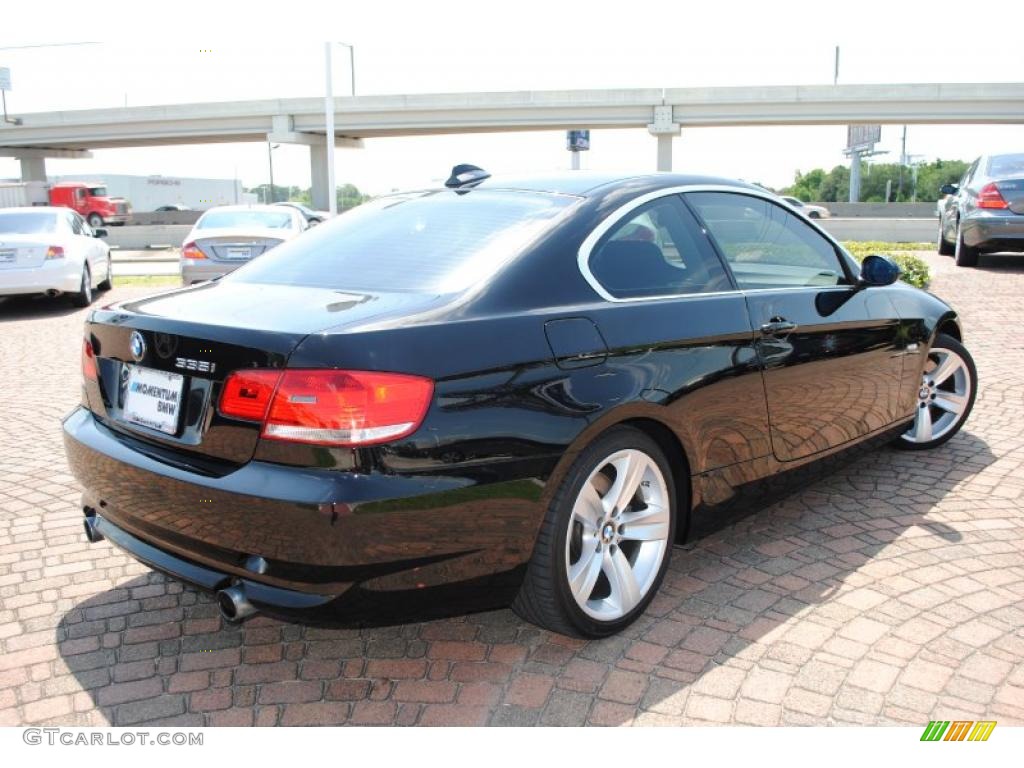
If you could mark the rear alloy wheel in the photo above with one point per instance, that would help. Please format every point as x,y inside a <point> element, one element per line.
<point>945,247</point>
<point>964,254</point>
<point>606,540</point>
<point>945,398</point>
<point>84,296</point>
<point>108,281</point>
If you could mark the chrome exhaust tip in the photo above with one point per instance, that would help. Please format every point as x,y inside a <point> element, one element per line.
<point>92,531</point>
<point>234,605</point>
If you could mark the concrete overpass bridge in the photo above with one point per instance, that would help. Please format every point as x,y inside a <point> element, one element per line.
<point>662,112</point>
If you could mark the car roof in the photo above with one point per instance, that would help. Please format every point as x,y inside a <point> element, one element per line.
<point>255,207</point>
<point>35,209</point>
<point>590,183</point>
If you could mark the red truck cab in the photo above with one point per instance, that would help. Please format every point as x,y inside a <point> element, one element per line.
<point>90,200</point>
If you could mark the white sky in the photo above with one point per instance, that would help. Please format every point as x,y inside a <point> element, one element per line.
<point>439,46</point>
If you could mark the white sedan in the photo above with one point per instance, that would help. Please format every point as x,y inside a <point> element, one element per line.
<point>228,236</point>
<point>808,210</point>
<point>52,251</point>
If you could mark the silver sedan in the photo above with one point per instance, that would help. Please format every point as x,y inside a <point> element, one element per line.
<point>229,236</point>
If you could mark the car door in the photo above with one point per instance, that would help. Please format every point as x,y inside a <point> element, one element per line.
<point>960,203</point>
<point>831,356</point>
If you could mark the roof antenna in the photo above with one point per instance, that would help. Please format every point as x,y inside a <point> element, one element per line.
<point>466,175</point>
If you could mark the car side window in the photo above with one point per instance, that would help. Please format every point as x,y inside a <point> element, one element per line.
<point>74,223</point>
<point>765,245</point>
<point>657,250</point>
<point>969,173</point>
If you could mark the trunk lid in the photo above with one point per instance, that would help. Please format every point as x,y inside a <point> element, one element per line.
<point>23,251</point>
<point>191,339</point>
<point>232,246</point>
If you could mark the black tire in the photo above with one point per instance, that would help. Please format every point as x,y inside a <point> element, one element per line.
<point>943,341</point>
<point>945,247</point>
<point>814,215</point>
<point>108,281</point>
<point>95,220</point>
<point>84,296</point>
<point>965,255</point>
<point>545,598</point>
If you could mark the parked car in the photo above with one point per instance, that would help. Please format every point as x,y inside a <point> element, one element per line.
<point>312,217</point>
<point>172,208</point>
<point>984,213</point>
<point>498,391</point>
<point>808,210</point>
<point>226,237</point>
<point>52,251</point>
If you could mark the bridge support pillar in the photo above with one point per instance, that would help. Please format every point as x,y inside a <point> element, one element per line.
<point>33,168</point>
<point>664,130</point>
<point>321,196</point>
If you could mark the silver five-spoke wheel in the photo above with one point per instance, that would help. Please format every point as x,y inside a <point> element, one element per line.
<point>945,395</point>
<point>618,534</point>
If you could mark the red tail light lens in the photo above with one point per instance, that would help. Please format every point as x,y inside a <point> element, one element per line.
<point>247,394</point>
<point>55,252</point>
<point>991,197</point>
<point>191,251</point>
<point>89,371</point>
<point>328,407</point>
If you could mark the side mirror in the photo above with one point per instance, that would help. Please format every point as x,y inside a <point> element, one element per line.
<point>878,270</point>
<point>949,189</point>
<point>99,233</point>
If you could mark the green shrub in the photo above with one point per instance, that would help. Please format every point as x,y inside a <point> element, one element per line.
<point>913,269</point>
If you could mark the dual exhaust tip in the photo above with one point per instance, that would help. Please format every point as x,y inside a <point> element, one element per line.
<point>233,603</point>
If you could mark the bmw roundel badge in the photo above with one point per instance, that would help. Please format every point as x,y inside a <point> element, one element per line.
<point>137,346</point>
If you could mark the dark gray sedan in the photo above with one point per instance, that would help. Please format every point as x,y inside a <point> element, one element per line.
<point>984,213</point>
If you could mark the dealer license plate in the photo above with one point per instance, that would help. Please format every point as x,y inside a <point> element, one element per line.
<point>238,252</point>
<point>8,257</point>
<point>153,398</point>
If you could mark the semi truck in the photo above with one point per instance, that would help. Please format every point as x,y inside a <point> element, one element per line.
<point>90,199</point>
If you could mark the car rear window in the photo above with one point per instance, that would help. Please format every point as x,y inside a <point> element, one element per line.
<point>27,223</point>
<point>437,242</point>
<point>1006,165</point>
<point>260,219</point>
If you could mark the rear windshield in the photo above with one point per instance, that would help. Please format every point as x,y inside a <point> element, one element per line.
<point>259,219</point>
<point>27,223</point>
<point>434,242</point>
<point>1006,165</point>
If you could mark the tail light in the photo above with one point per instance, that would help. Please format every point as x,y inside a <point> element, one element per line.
<point>55,252</point>
<point>89,371</point>
<point>191,251</point>
<point>991,197</point>
<point>328,407</point>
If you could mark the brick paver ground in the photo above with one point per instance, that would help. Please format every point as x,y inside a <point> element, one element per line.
<point>890,591</point>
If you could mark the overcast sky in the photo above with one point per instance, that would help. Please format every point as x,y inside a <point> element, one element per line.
<point>431,47</point>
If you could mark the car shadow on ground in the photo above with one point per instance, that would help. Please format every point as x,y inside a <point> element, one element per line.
<point>35,307</point>
<point>1001,262</point>
<point>768,593</point>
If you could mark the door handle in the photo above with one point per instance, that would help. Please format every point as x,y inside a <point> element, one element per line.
<point>777,326</point>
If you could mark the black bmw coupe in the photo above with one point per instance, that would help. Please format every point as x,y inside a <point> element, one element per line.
<point>500,391</point>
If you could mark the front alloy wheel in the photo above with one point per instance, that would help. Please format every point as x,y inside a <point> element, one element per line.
<point>606,539</point>
<point>945,397</point>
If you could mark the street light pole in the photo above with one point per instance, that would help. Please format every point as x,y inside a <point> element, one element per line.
<point>270,161</point>
<point>332,191</point>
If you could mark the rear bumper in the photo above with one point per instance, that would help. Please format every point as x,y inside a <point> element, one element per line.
<point>321,532</point>
<point>994,232</point>
<point>200,270</point>
<point>54,275</point>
